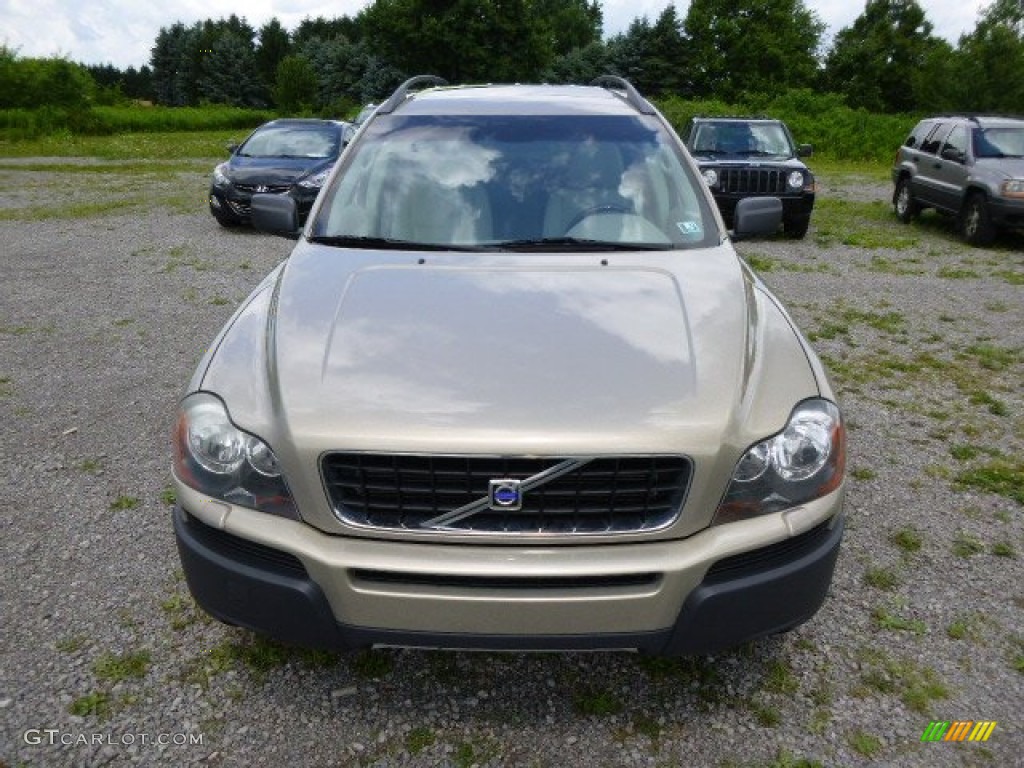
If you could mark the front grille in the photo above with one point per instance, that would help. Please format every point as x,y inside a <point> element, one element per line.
<point>627,494</point>
<point>273,189</point>
<point>752,181</point>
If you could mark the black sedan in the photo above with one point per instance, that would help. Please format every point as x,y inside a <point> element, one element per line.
<point>289,157</point>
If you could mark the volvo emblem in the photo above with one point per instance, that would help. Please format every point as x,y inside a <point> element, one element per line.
<point>505,493</point>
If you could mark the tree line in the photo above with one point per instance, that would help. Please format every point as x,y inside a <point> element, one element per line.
<point>888,60</point>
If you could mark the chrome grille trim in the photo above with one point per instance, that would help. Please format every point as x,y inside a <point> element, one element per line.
<point>561,495</point>
<point>273,189</point>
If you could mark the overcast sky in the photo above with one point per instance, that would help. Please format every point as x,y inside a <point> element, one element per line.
<point>121,32</point>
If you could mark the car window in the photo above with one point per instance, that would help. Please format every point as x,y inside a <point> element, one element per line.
<point>935,138</point>
<point>495,179</point>
<point>1002,141</point>
<point>292,141</point>
<point>955,145</point>
<point>921,131</point>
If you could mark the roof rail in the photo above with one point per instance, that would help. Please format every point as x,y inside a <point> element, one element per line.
<point>633,97</point>
<point>402,91</point>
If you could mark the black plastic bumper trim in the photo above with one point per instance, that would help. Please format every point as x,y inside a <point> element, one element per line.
<point>744,597</point>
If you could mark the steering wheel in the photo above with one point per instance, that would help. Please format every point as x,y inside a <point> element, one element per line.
<point>598,210</point>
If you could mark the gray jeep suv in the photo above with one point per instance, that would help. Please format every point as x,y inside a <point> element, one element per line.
<point>967,166</point>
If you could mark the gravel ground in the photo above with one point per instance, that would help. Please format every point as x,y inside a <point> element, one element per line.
<point>104,312</point>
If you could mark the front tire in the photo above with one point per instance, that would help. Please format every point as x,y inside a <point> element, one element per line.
<point>903,202</point>
<point>975,221</point>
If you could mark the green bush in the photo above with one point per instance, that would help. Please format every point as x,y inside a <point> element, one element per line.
<point>23,124</point>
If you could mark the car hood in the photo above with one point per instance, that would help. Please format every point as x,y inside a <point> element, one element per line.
<point>273,170</point>
<point>757,161</point>
<point>672,353</point>
<point>510,353</point>
<point>1009,167</point>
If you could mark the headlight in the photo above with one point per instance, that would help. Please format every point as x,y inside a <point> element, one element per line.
<point>317,179</point>
<point>217,458</point>
<point>803,462</point>
<point>710,177</point>
<point>1013,188</point>
<point>220,176</point>
<point>795,180</point>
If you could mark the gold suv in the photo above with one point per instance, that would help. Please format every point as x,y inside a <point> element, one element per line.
<point>513,389</point>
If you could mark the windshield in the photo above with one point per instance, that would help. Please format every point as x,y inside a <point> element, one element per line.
<point>516,182</point>
<point>292,141</point>
<point>733,137</point>
<point>999,142</point>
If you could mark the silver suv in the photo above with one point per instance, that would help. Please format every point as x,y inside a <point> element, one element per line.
<point>513,388</point>
<point>967,166</point>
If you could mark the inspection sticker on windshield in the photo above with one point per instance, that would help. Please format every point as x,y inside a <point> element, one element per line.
<point>690,228</point>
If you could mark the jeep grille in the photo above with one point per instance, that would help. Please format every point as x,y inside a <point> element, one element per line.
<point>605,495</point>
<point>752,181</point>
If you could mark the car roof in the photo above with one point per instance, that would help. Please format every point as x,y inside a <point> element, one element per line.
<point>298,121</point>
<point>985,121</point>
<point>516,100</point>
<point>735,119</point>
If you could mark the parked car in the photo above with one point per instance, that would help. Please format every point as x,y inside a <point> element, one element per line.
<point>289,157</point>
<point>512,389</point>
<point>743,157</point>
<point>967,166</point>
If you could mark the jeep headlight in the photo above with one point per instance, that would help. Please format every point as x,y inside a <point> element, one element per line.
<point>217,458</point>
<point>220,176</point>
<point>1013,188</point>
<point>710,177</point>
<point>803,462</point>
<point>795,180</point>
<point>316,180</point>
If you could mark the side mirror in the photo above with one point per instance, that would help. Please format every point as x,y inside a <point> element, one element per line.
<point>756,217</point>
<point>804,150</point>
<point>275,214</point>
<point>232,146</point>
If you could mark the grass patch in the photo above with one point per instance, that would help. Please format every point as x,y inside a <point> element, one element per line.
<point>96,704</point>
<point>125,666</point>
<point>865,744</point>
<point>881,578</point>
<point>916,686</point>
<point>1000,477</point>
<point>596,703</point>
<point>1004,549</point>
<point>890,621</point>
<point>372,664</point>
<point>863,473</point>
<point>418,739</point>
<point>908,539</point>
<point>122,503</point>
<point>965,545</point>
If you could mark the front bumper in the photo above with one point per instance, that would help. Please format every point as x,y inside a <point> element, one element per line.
<point>232,203</point>
<point>697,595</point>
<point>1007,213</point>
<point>794,207</point>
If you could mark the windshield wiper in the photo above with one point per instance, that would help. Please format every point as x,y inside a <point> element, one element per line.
<point>387,243</point>
<point>574,244</point>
